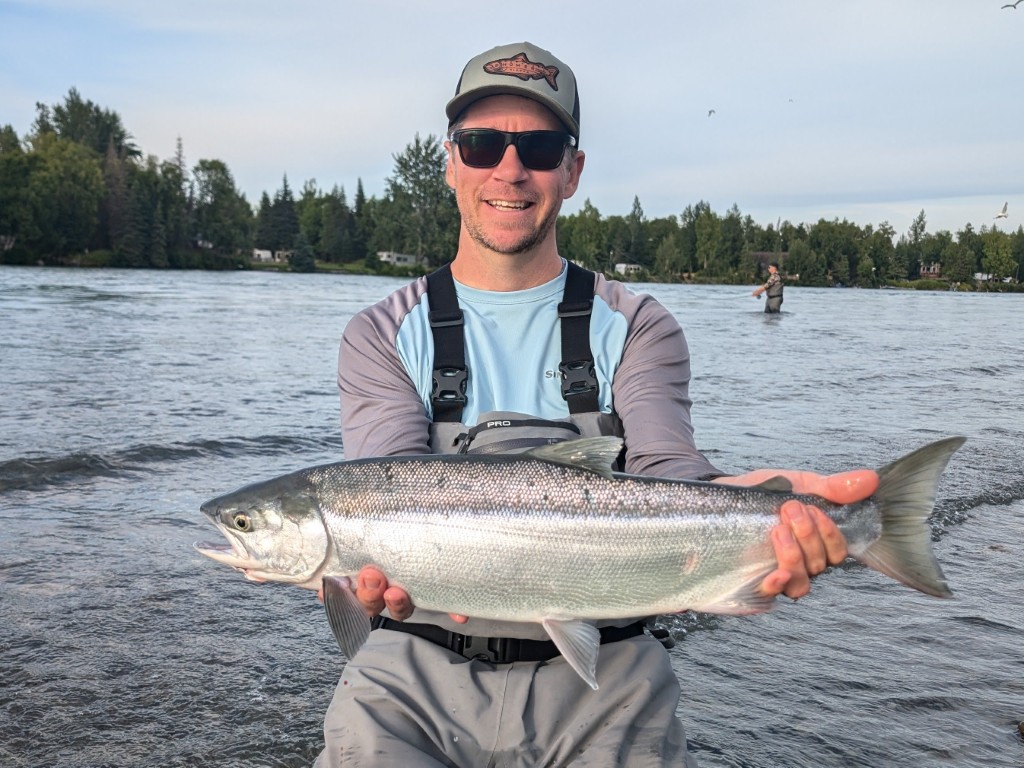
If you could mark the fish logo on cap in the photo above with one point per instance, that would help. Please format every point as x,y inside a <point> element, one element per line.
<point>521,67</point>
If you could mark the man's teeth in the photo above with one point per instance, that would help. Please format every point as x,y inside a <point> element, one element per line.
<point>514,206</point>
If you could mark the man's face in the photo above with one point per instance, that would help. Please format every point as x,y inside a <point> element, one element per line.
<point>510,208</point>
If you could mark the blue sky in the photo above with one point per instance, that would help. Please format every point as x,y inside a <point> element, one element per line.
<point>869,111</point>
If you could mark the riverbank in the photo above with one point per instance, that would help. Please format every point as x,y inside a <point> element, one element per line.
<point>102,260</point>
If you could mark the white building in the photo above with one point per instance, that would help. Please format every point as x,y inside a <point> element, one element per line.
<point>400,259</point>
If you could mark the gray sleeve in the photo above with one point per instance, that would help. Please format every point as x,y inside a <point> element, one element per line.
<point>651,394</point>
<point>381,412</point>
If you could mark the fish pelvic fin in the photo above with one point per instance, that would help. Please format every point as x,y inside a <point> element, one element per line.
<point>579,644</point>
<point>345,615</point>
<point>906,498</point>
<point>594,454</point>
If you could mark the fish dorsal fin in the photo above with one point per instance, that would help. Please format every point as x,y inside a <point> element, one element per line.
<point>579,643</point>
<point>594,454</point>
<point>778,484</point>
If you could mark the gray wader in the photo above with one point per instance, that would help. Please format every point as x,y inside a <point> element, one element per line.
<point>424,695</point>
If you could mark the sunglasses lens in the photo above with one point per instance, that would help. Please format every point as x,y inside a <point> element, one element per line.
<point>481,149</point>
<point>541,150</point>
<point>537,150</point>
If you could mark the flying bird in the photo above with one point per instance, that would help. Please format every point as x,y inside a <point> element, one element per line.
<point>1002,213</point>
<point>711,111</point>
<point>1013,5</point>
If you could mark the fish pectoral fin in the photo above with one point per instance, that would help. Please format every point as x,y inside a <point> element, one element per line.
<point>345,615</point>
<point>745,599</point>
<point>579,643</point>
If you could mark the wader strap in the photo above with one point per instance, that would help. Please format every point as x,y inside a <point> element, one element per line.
<point>579,382</point>
<point>450,375</point>
<point>448,391</point>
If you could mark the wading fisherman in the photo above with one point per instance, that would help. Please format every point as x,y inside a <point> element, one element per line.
<point>510,346</point>
<point>772,288</point>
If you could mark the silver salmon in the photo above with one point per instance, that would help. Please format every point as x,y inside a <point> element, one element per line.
<point>553,536</point>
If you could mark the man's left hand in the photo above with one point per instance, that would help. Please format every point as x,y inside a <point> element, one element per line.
<point>806,540</point>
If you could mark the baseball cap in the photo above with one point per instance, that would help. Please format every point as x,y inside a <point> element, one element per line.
<point>519,69</point>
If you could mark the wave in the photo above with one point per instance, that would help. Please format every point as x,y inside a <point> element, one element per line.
<point>41,472</point>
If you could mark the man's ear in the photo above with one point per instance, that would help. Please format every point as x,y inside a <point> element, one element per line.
<point>449,168</point>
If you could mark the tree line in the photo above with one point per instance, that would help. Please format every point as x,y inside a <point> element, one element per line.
<point>77,190</point>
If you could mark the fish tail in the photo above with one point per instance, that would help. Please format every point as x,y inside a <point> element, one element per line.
<point>906,497</point>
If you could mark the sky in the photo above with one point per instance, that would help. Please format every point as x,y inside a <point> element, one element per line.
<point>869,111</point>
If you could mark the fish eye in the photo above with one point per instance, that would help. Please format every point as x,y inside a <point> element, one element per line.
<point>241,522</point>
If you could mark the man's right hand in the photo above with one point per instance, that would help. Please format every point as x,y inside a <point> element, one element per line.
<point>373,592</point>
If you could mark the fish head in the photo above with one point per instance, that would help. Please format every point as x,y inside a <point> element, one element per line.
<point>275,531</point>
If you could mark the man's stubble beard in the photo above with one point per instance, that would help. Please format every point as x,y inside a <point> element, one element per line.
<point>526,243</point>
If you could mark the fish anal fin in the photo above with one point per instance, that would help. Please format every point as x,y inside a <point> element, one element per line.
<point>745,599</point>
<point>579,644</point>
<point>345,615</point>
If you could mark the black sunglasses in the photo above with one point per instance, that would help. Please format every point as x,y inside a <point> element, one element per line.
<point>537,150</point>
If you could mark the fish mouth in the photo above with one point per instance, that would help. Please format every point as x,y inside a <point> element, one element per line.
<point>229,555</point>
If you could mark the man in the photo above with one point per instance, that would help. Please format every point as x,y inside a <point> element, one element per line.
<point>505,378</point>
<point>773,287</point>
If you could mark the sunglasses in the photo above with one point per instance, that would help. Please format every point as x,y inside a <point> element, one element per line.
<point>537,150</point>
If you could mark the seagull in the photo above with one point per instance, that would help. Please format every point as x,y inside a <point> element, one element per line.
<point>1012,5</point>
<point>711,111</point>
<point>1002,213</point>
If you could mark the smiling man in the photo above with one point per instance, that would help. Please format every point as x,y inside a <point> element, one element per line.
<point>506,348</point>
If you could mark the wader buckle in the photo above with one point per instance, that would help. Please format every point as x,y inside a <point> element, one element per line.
<point>496,650</point>
<point>577,378</point>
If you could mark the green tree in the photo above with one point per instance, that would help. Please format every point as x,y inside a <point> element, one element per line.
<point>636,247</point>
<point>581,237</point>
<point>709,237</point>
<point>668,259</point>
<point>15,214</point>
<point>338,229</point>
<point>175,196</point>
<point>310,210</point>
<point>86,123</point>
<point>301,258</point>
<point>264,227</point>
<point>975,246</point>
<point>957,263</point>
<point>284,219</point>
<point>688,234</point>
<point>803,261</point>
<point>998,259</point>
<point>876,249</point>
<point>222,215</point>
<point>64,190</point>
<point>838,243</point>
<point>418,196</point>
<point>733,244</point>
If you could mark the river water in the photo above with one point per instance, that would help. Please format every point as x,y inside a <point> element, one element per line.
<point>129,398</point>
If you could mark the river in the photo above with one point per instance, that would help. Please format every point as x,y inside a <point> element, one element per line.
<point>127,398</point>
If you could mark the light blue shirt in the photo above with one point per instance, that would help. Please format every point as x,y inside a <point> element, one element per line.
<point>526,322</point>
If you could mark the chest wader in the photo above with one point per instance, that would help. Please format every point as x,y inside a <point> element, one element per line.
<point>773,297</point>
<point>507,431</point>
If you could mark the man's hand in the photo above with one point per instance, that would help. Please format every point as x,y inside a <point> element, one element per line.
<point>806,540</point>
<point>373,591</point>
